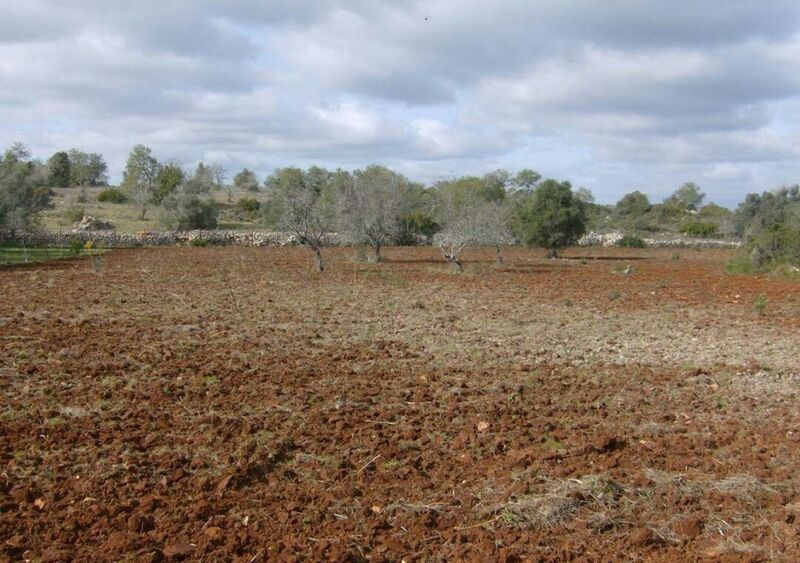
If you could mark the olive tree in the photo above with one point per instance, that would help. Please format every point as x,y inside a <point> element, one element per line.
<point>371,202</point>
<point>246,181</point>
<point>687,197</point>
<point>58,168</point>
<point>139,177</point>
<point>22,189</point>
<point>87,169</point>
<point>552,217</point>
<point>201,181</point>
<point>170,177</point>
<point>305,206</point>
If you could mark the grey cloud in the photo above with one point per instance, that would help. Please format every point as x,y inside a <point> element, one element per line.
<point>619,95</point>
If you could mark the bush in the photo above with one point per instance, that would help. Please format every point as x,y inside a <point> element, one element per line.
<point>76,246</point>
<point>73,214</point>
<point>631,241</point>
<point>248,205</point>
<point>112,195</point>
<point>769,251</point>
<point>551,217</point>
<point>186,212</point>
<point>699,229</point>
<point>414,227</point>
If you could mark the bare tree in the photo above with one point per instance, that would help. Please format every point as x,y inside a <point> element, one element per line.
<point>306,206</point>
<point>492,226</point>
<point>456,215</point>
<point>371,203</point>
<point>219,174</point>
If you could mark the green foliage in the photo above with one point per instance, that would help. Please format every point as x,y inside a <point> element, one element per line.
<point>303,201</point>
<point>59,170</point>
<point>759,212</point>
<point>526,179</point>
<point>73,214</point>
<point>633,205</point>
<point>169,178</point>
<point>246,180</point>
<point>112,195</point>
<point>199,242</point>
<point>139,177</point>
<point>551,217</point>
<point>585,195</point>
<point>699,228</point>
<point>22,193</point>
<point>631,241</point>
<point>780,244</point>
<point>201,182</point>
<point>465,189</point>
<point>76,246</point>
<point>87,169</point>
<point>760,304</point>
<point>185,211</point>
<point>248,205</point>
<point>687,197</point>
<point>415,226</point>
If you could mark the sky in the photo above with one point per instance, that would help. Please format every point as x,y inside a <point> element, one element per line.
<point>611,95</point>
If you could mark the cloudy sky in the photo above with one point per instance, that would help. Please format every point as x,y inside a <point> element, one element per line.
<point>613,95</point>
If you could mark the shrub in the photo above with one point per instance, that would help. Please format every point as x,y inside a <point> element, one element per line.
<point>112,195</point>
<point>188,211</point>
<point>248,208</point>
<point>760,304</point>
<point>416,226</point>
<point>76,246</point>
<point>778,245</point>
<point>198,242</point>
<point>699,228</point>
<point>73,214</point>
<point>631,241</point>
<point>770,250</point>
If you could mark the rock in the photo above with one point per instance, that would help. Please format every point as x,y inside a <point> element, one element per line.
<point>89,223</point>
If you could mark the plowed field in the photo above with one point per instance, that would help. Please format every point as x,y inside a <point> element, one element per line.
<point>232,404</point>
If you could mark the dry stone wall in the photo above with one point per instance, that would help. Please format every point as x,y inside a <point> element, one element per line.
<point>114,239</point>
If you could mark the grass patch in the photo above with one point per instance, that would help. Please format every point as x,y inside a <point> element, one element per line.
<point>11,255</point>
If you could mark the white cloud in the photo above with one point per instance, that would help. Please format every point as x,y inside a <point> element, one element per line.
<point>631,94</point>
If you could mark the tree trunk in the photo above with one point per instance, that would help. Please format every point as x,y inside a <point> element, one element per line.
<point>457,266</point>
<point>378,252</point>
<point>318,259</point>
<point>143,213</point>
<point>552,253</point>
<point>499,256</point>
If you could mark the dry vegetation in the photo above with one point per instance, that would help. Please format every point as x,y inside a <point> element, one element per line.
<point>224,403</point>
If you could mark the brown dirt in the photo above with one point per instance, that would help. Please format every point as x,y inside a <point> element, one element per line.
<point>231,404</point>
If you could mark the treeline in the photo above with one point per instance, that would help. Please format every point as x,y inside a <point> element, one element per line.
<point>376,206</point>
